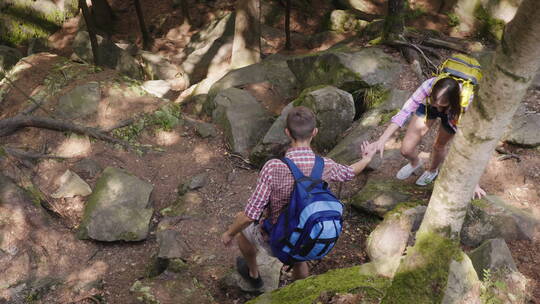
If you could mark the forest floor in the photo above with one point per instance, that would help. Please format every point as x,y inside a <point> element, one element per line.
<point>231,180</point>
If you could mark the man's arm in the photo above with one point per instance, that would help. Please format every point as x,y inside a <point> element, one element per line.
<point>240,223</point>
<point>367,152</point>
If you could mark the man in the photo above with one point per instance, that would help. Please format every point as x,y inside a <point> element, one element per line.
<point>273,190</point>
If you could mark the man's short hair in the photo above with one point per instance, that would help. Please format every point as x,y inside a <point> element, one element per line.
<point>301,122</point>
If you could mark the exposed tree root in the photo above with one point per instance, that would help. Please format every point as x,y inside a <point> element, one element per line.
<point>19,153</point>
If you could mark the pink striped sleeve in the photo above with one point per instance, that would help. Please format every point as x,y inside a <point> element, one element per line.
<point>261,196</point>
<point>413,102</point>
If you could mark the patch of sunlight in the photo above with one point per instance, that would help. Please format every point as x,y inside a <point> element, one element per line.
<point>393,144</point>
<point>167,138</point>
<point>74,146</point>
<point>89,274</point>
<point>202,154</point>
<point>366,66</point>
<point>504,10</point>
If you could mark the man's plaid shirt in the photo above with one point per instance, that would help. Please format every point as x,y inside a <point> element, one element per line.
<point>275,182</point>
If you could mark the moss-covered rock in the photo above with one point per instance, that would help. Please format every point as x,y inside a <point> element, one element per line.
<point>22,20</point>
<point>338,281</point>
<point>342,21</point>
<point>8,58</point>
<point>380,196</point>
<point>117,209</point>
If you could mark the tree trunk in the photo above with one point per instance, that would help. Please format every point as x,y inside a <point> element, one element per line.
<point>394,22</point>
<point>288,45</point>
<point>91,30</point>
<point>247,34</point>
<point>501,90</point>
<point>102,15</point>
<point>144,30</point>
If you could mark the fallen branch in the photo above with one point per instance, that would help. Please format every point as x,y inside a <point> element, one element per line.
<point>19,153</point>
<point>444,44</point>
<point>10,125</point>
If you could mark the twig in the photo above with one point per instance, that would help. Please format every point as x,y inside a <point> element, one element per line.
<point>509,156</point>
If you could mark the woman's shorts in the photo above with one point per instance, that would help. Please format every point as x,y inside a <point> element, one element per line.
<point>432,113</point>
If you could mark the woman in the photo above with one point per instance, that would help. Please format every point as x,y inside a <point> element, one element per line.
<point>433,99</point>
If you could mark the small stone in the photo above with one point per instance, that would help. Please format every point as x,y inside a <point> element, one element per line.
<point>71,185</point>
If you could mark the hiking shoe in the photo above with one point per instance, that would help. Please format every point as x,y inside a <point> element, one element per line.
<point>243,270</point>
<point>427,178</point>
<point>407,170</point>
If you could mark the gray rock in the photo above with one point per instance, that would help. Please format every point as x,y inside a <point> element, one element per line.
<point>188,203</point>
<point>324,38</point>
<point>117,209</point>
<point>158,88</point>
<point>343,21</point>
<point>392,235</point>
<point>524,130</point>
<point>269,269</point>
<point>536,80</point>
<point>463,285</point>
<point>110,55</point>
<point>210,49</point>
<point>171,245</point>
<point>8,58</point>
<point>87,168</point>
<point>347,150</point>
<point>242,118</point>
<point>381,196</point>
<point>81,101</point>
<point>275,71</point>
<point>196,182</point>
<point>334,110</point>
<point>71,185</point>
<point>158,67</point>
<point>346,69</point>
<point>38,45</point>
<point>492,255</point>
<point>491,218</point>
<point>205,130</point>
<point>170,287</point>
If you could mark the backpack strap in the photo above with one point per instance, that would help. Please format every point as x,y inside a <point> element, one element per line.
<point>294,169</point>
<point>318,167</point>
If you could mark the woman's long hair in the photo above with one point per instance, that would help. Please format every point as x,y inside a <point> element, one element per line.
<point>451,92</point>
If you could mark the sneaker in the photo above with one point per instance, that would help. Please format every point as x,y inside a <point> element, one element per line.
<point>408,169</point>
<point>427,178</point>
<point>243,270</point>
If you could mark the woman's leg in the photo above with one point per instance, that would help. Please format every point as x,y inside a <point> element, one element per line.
<point>418,127</point>
<point>439,148</point>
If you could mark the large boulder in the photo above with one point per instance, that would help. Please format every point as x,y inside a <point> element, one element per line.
<point>491,255</point>
<point>8,58</point>
<point>210,49</point>
<point>380,196</point>
<point>366,6</point>
<point>157,67</point>
<point>346,69</point>
<point>346,151</point>
<point>23,20</point>
<point>242,118</point>
<point>269,269</point>
<point>109,54</point>
<point>491,217</point>
<point>118,208</point>
<point>524,130</point>
<point>344,280</point>
<point>80,101</point>
<point>272,70</point>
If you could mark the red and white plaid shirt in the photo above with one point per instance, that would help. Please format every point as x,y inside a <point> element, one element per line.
<point>275,182</point>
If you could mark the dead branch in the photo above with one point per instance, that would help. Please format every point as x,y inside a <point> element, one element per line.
<point>434,42</point>
<point>10,125</point>
<point>123,123</point>
<point>365,16</point>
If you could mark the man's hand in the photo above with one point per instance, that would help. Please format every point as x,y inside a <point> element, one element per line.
<point>367,150</point>
<point>226,238</point>
<point>378,146</point>
<point>478,192</point>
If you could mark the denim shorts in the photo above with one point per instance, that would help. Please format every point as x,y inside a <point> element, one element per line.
<point>432,113</point>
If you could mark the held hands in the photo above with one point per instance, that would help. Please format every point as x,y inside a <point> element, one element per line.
<point>367,150</point>
<point>478,192</point>
<point>378,146</point>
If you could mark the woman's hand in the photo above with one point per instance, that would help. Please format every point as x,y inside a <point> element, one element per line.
<point>378,146</point>
<point>478,192</point>
<point>367,150</point>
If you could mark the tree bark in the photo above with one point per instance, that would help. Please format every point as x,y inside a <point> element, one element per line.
<point>91,30</point>
<point>102,15</point>
<point>247,34</point>
<point>144,30</point>
<point>288,45</point>
<point>394,21</point>
<point>505,82</point>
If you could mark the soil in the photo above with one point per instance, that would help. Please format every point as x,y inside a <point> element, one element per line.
<point>231,181</point>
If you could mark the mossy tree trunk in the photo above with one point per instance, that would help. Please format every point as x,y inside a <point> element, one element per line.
<point>247,34</point>
<point>91,30</point>
<point>504,84</point>
<point>103,16</point>
<point>394,22</point>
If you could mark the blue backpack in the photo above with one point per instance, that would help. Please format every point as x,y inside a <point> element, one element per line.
<point>308,228</point>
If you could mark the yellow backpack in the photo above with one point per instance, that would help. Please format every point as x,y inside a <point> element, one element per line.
<point>464,69</point>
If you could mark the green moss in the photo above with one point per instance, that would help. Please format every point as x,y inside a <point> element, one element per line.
<point>339,280</point>
<point>399,208</point>
<point>453,19</point>
<point>177,265</point>
<point>144,293</point>
<point>387,115</point>
<point>480,203</point>
<point>374,96</point>
<point>299,101</point>
<point>99,190</point>
<point>491,28</point>
<point>424,270</point>
<point>35,194</point>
